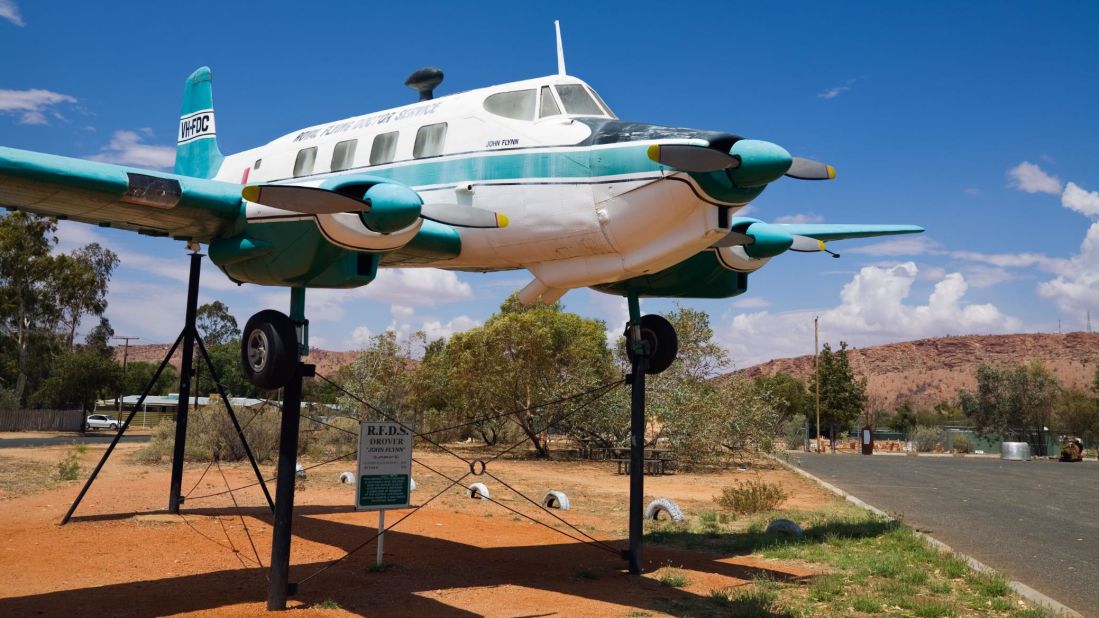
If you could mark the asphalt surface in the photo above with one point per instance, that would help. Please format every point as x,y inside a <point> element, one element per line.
<point>1037,522</point>
<point>103,438</point>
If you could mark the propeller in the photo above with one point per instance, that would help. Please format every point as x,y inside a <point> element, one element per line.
<point>319,201</point>
<point>690,158</point>
<point>808,169</point>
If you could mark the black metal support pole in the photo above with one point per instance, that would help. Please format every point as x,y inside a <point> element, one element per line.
<point>280,587</point>
<point>118,436</point>
<point>185,375</point>
<point>637,461</point>
<point>236,423</point>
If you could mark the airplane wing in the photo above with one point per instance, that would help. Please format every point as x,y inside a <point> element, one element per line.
<point>145,201</point>
<point>842,231</point>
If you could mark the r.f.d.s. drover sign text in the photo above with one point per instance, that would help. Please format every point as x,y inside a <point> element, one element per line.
<point>385,466</point>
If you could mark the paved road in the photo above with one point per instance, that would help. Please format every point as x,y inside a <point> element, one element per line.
<point>101,438</point>
<point>1037,521</point>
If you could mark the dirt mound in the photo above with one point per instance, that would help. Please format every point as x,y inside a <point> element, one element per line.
<point>928,371</point>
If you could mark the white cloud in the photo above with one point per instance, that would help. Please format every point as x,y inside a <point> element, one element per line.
<point>434,329</point>
<point>416,287</point>
<point>832,93</point>
<point>10,12</point>
<point>751,302</point>
<point>1030,178</point>
<point>907,245</point>
<point>801,218</point>
<point>1076,289</point>
<point>1012,260</point>
<point>360,337</point>
<point>401,311</point>
<point>980,276</point>
<point>872,310</point>
<point>125,148</point>
<point>1082,201</point>
<point>31,105</point>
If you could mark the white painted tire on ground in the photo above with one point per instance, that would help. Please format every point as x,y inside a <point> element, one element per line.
<point>556,500</point>
<point>479,491</point>
<point>652,512</point>
<point>411,484</point>
<point>785,527</point>
<point>299,471</point>
<point>347,478</point>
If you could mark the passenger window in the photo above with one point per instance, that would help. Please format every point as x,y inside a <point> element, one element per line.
<point>384,148</point>
<point>344,155</point>
<point>303,165</point>
<point>258,162</point>
<point>549,106</point>
<point>577,100</point>
<point>429,141</point>
<point>518,104</point>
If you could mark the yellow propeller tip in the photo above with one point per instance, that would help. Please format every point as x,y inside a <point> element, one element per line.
<point>831,172</point>
<point>501,220</point>
<point>250,193</point>
<point>654,152</point>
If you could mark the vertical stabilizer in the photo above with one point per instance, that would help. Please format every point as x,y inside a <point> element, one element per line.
<point>560,49</point>
<point>197,152</point>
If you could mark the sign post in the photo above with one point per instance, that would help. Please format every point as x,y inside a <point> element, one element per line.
<point>385,471</point>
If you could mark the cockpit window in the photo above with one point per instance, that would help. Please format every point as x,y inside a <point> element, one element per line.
<point>518,104</point>
<point>602,102</point>
<point>577,101</point>
<point>549,106</point>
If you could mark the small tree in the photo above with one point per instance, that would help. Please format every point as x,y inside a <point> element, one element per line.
<point>842,396</point>
<point>216,325</point>
<point>1012,399</point>
<point>1078,414</point>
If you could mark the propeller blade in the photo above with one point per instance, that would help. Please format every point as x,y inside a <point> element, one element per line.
<point>808,169</point>
<point>688,158</point>
<point>460,215</point>
<point>734,239</point>
<point>306,200</point>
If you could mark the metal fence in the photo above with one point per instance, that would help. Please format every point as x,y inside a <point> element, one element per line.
<point>41,420</point>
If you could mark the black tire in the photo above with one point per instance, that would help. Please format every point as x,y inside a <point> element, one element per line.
<point>114,426</point>
<point>662,340</point>
<point>269,349</point>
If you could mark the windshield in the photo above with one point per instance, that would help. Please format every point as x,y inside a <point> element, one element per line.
<point>579,101</point>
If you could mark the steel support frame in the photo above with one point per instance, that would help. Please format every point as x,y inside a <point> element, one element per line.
<point>187,337</point>
<point>640,366</point>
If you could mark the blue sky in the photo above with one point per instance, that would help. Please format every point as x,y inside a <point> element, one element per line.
<point>975,120</point>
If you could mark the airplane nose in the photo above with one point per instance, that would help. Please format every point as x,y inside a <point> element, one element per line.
<point>760,163</point>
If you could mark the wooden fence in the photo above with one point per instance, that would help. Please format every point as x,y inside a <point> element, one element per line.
<point>41,420</point>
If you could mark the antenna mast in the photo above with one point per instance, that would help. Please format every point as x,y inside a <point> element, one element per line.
<point>560,49</point>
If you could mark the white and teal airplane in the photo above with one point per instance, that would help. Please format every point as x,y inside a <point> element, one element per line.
<point>537,175</point>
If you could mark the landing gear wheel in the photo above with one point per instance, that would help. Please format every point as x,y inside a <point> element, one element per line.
<point>662,341</point>
<point>269,349</point>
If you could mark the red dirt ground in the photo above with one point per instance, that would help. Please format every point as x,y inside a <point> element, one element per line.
<point>455,557</point>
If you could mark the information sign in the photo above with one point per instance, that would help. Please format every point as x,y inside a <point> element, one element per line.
<point>385,466</point>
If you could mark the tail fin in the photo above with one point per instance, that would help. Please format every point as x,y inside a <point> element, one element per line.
<point>197,152</point>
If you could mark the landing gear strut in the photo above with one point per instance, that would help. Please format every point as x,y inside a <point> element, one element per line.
<point>651,345</point>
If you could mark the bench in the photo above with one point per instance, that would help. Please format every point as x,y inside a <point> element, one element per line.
<point>651,466</point>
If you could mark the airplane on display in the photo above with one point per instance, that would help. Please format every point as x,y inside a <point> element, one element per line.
<point>537,174</point>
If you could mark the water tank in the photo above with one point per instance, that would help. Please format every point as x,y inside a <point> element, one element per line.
<point>1015,451</point>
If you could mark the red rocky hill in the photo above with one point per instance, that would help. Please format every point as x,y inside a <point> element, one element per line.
<point>928,371</point>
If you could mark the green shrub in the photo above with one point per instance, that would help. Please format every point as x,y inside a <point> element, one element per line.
<point>69,467</point>
<point>793,433</point>
<point>962,443</point>
<point>751,497</point>
<point>673,578</point>
<point>927,437</point>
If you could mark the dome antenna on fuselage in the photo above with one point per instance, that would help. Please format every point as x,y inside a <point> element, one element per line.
<point>424,81</point>
<point>560,49</point>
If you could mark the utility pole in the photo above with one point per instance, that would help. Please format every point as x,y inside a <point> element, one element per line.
<point>125,351</point>
<point>816,367</point>
<point>125,361</point>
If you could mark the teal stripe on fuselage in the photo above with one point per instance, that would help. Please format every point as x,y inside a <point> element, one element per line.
<point>536,164</point>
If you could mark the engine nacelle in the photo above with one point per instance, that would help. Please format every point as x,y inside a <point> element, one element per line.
<point>700,276</point>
